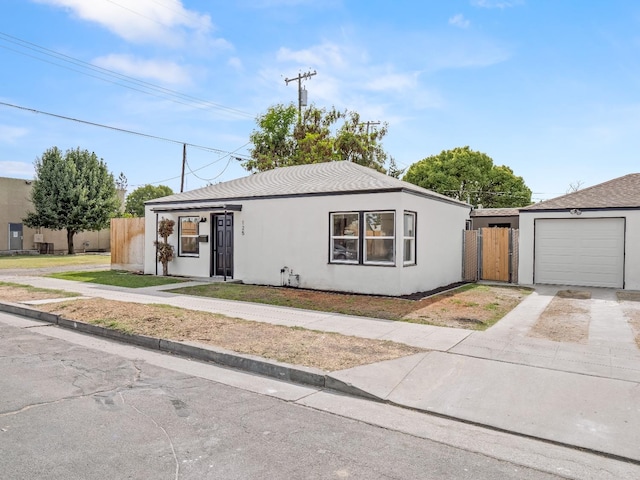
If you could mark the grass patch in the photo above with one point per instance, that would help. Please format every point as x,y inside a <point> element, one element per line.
<point>469,306</point>
<point>46,261</point>
<point>117,278</point>
<point>348,304</point>
<point>114,325</point>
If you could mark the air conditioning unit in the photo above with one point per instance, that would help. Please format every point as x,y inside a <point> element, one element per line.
<point>38,238</point>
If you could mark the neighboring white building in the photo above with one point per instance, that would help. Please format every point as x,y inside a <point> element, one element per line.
<point>587,238</point>
<point>329,226</point>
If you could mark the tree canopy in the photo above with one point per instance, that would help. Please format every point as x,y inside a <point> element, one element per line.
<point>283,138</point>
<point>136,199</point>
<point>74,191</point>
<point>470,176</point>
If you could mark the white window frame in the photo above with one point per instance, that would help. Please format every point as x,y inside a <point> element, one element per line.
<point>380,238</point>
<point>410,238</point>
<point>181,235</point>
<point>335,237</point>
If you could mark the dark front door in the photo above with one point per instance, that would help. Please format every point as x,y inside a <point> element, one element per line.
<point>15,236</point>
<point>223,245</point>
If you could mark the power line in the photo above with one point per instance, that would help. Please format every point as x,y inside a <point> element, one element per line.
<point>118,129</point>
<point>100,73</point>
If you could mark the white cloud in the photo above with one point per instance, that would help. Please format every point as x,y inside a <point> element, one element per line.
<point>167,22</point>
<point>459,21</point>
<point>497,3</point>
<point>465,53</point>
<point>393,81</point>
<point>161,70</point>
<point>9,134</point>
<point>325,54</point>
<point>235,63</point>
<point>12,169</point>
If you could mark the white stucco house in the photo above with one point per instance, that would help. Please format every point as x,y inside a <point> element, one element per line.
<point>587,238</point>
<point>333,226</point>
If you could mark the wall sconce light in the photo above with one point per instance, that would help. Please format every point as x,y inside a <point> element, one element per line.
<point>575,211</point>
<point>203,219</point>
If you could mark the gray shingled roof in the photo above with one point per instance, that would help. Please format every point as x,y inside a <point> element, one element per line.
<point>315,179</point>
<point>621,192</point>
<point>495,212</point>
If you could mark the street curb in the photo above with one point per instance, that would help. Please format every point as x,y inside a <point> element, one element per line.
<point>253,364</point>
<point>258,365</point>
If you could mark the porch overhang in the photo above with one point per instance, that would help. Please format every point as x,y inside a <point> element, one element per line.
<point>227,207</point>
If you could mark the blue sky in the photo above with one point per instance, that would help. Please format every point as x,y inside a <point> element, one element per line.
<point>549,88</point>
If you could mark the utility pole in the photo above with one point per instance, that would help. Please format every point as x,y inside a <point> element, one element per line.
<point>299,78</point>
<point>369,124</point>
<point>184,161</point>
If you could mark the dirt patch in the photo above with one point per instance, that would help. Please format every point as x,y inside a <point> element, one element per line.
<point>631,310</point>
<point>628,296</point>
<point>326,351</point>
<point>575,294</point>
<point>566,319</point>
<point>474,308</point>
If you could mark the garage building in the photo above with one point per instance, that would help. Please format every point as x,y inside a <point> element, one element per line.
<point>586,238</point>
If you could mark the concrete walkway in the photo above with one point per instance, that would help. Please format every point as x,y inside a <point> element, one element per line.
<point>587,396</point>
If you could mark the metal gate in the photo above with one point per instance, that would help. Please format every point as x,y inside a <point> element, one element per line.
<point>490,254</point>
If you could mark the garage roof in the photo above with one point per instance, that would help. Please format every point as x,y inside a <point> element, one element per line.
<point>621,192</point>
<point>495,212</point>
<point>329,178</point>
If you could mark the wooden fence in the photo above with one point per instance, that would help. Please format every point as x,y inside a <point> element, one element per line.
<point>127,244</point>
<point>490,254</point>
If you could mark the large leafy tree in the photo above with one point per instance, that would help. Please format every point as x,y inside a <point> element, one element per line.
<point>74,191</point>
<point>136,199</point>
<point>284,138</point>
<point>470,176</point>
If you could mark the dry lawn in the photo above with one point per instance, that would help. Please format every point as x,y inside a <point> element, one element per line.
<point>13,292</point>
<point>566,318</point>
<point>475,308</point>
<point>326,351</point>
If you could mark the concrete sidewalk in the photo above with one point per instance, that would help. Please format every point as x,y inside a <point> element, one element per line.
<point>586,396</point>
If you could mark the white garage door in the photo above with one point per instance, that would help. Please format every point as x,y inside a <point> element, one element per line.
<point>587,252</point>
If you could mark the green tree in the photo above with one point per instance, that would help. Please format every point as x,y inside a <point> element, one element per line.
<point>136,199</point>
<point>283,138</point>
<point>74,191</point>
<point>470,176</point>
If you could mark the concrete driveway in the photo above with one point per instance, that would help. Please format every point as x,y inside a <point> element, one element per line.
<point>609,350</point>
<point>586,395</point>
<point>605,314</point>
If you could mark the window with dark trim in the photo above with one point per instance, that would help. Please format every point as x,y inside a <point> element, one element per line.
<point>409,238</point>
<point>380,238</point>
<point>363,238</point>
<point>188,227</point>
<point>345,234</point>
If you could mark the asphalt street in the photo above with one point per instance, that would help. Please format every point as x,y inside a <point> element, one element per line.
<point>75,407</point>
